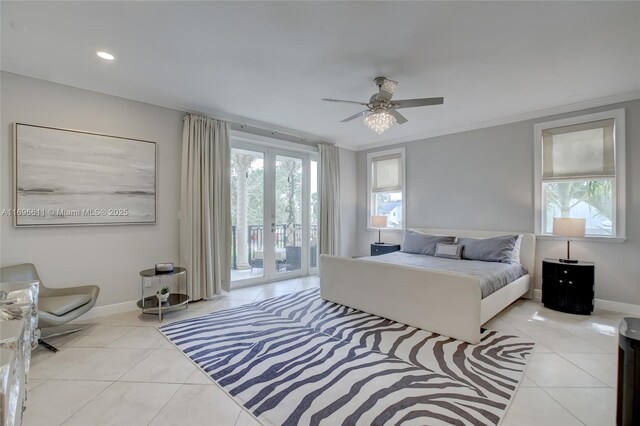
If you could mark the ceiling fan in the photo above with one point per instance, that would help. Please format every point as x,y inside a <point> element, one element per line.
<point>381,111</point>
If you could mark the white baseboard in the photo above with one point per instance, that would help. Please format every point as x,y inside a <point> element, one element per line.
<point>106,310</point>
<point>537,295</point>
<point>602,305</point>
<point>625,308</point>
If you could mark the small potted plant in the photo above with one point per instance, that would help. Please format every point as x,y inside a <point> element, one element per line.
<point>163,294</point>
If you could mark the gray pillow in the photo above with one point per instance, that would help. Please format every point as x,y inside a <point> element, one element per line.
<point>419,243</point>
<point>498,249</point>
<point>449,251</point>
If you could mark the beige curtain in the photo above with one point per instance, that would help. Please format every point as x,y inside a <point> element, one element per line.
<point>329,238</point>
<point>205,206</point>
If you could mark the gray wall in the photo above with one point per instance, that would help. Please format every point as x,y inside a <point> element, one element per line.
<point>110,256</point>
<point>483,179</point>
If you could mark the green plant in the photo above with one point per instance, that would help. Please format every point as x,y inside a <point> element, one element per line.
<point>164,290</point>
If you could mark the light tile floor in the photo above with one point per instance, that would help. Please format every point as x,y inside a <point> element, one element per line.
<point>121,370</point>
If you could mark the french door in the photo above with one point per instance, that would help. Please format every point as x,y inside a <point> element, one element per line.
<point>274,205</point>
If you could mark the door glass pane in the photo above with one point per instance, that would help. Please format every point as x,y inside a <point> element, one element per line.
<point>288,221</point>
<point>247,214</point>
<point>313,214</point>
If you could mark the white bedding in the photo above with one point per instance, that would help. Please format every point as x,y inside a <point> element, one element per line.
<point>491,275</point>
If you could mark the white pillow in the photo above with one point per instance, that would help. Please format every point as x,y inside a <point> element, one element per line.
<point>515,254</point>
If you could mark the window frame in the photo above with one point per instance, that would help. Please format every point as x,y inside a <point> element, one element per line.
<point>403,186</point>
<point>619,193</point>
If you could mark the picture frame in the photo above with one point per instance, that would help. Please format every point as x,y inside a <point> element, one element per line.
<point>65,177</point>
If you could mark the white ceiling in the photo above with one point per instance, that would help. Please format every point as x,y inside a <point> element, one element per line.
<point>272,62</point>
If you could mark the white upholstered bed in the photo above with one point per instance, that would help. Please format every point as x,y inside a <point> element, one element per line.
<point>447,303</point>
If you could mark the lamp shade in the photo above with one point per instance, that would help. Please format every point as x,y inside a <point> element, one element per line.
<point>568,227</point>
<point>378,221</point>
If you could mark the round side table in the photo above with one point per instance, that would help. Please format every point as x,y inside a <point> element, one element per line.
<point>151,304</point>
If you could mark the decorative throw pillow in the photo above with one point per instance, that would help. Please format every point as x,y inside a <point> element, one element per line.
<point>419,243</point>
<point>450,251</point>
<point>515,254</point>
<point>498,249</point>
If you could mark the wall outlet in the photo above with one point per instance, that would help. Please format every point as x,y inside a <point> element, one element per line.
<point>149,282</point>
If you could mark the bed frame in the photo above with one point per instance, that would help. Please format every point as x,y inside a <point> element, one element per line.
<point>442,302</point>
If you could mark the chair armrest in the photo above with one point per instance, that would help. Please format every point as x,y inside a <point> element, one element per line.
<point>92,290</point>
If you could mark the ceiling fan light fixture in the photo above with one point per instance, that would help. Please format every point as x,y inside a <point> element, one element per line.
<point>379,121</point>
<point>382,112</point>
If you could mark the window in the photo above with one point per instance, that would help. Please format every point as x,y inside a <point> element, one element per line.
<point>579,171</point>
<point>385,181</point>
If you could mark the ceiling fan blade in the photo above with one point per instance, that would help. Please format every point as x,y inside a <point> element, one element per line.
<point>400,119</point>
<point>346,102</point>
<point>354,116</point>
<point>411,103</point>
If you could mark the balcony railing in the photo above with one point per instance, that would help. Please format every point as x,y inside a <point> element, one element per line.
<point>283,238</point>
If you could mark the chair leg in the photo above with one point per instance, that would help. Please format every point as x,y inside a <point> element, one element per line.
<point>47,345</point>
<point>57,331</point>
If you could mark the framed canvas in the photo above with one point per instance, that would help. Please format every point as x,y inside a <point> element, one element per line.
<point>69,177</point>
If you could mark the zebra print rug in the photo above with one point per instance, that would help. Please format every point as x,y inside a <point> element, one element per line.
<point>298,360</point>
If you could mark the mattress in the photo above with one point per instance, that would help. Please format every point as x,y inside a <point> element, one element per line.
<point>491,275</point>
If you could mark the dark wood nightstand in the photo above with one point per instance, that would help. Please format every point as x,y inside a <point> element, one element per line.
<point>568,287</point>
<point>378,249</point>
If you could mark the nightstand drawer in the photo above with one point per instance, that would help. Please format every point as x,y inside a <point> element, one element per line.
<point>378,249</point>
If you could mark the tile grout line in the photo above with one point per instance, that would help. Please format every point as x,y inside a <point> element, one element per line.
<point>577,353</point>
<point>604,385</point>
<point>566,408</point>
<point>165,404</point>
<point>74,363</point>
<point>577,366</point>
<point>562,327</point>
<point>238,418</point>
<point>149,351</point>
<point>87,403</point>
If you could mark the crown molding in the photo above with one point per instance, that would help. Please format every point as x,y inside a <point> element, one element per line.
<point>563,109</point>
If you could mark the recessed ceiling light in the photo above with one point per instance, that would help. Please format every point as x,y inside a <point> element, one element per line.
<point>105,55</point>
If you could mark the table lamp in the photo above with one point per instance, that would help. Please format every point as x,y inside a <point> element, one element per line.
<point>568,227</point>
<point>379,222</point>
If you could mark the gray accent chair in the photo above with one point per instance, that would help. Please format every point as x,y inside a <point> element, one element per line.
<point>56,306</point>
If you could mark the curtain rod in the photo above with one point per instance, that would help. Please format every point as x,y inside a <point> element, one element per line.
<point>275,134</point>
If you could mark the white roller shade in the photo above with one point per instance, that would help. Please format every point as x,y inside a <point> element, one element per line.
<point>387,173</point>
<point>579,151</point>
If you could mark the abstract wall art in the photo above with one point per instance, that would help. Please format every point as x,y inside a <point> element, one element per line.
<point>68,177</point>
